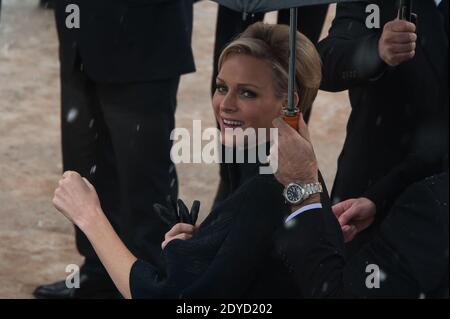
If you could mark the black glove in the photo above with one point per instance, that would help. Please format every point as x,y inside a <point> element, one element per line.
<point>173,214</point>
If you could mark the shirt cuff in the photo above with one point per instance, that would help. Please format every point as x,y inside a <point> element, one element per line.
<point>302,210</point>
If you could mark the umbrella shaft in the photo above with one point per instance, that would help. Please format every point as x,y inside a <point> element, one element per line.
<point>292,59</point>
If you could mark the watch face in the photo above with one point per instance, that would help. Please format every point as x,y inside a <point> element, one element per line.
<point>294,193</point>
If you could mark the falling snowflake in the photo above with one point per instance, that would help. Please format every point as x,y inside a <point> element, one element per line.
<point>72,115</point>
<point>93,169</point>
<point>289,224</point>
<point>383,275</point>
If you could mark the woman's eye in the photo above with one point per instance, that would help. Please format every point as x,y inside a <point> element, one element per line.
<point>248,94</point>
<point>221,88</point>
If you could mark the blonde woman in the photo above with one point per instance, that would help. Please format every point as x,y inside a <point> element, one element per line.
<point>231,254</point>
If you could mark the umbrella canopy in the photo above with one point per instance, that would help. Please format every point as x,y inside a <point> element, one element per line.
<point>254,6</point>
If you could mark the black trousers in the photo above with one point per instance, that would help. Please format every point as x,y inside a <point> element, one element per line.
<point>118,137</point>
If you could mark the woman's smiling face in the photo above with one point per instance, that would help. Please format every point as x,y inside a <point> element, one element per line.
<point>245,96</point>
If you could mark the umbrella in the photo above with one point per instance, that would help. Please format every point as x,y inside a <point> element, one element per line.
<point>254,6</point>
<point>291,113</point>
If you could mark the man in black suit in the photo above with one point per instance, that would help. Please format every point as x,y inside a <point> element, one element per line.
<point>406,258</point>
<point>119,78</point>
<point>397,77</point>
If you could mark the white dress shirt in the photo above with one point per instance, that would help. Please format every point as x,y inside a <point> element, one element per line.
<point>302,210</point>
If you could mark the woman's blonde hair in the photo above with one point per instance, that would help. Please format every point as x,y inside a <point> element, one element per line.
<point>271,43</point>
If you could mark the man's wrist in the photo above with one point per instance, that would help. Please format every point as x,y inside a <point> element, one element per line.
<point>312,179</point>
<point>313,199</point>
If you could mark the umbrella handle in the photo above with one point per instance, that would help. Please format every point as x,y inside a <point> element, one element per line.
<point>292,120</point>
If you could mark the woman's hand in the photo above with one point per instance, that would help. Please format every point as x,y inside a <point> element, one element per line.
<point>179,231</point>
<point>76,199</point>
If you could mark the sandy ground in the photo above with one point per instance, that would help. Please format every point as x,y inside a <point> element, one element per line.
<point>36,242</point>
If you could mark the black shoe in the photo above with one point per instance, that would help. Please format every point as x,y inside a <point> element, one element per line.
<point>90,288</point>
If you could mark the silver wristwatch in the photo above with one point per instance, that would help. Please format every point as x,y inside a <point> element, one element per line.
<point>296,193</point>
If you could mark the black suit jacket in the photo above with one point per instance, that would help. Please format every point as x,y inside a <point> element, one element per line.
<point>398,129</point>
<point>128,40</point>
<point>411,249</point>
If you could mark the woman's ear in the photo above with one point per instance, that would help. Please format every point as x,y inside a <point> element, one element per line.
<point>296,100</point>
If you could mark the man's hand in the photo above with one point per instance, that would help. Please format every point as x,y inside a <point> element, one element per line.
<point>398,42</point>
<point>354,216</point>
<point>296,159</point>
<point>179,231</point>
<point>76,199</point>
